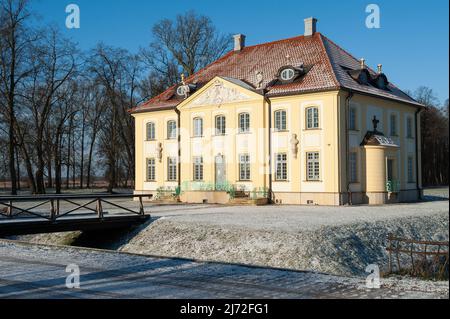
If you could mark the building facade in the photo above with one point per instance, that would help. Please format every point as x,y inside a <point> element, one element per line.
<point>296,121</point>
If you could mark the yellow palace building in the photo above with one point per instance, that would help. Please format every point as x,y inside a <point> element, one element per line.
<point>295,121</point>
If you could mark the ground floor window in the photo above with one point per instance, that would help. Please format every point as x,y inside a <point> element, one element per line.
<point>151,169</point>
<point>313,166</point>
<point>198,168</point>
<point>281,173</point>
<point>353,167</point>
<point>244,167</point>
<point>172,169</point>
<point>410,169</point>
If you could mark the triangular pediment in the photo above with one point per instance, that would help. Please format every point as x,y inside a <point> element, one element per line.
<point>220,91</point>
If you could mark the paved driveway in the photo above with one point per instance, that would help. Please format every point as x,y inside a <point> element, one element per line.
<point>33,271</point>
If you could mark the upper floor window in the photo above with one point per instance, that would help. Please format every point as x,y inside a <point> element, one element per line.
<point>198,127</point>
<point>393,124</point>
<point>409,127</point>
<point>281,120</point>
<point>221,123</point>
<point>171,130</point>
<point>352,119</point>
<point>151,132</point>
<point>312,118</point>
<point>244,123</point>
<point>313,166</point>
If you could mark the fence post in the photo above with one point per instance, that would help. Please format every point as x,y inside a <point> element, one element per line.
<point>99,208</point>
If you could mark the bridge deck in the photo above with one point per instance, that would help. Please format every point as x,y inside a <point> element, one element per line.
<point>29,226</point>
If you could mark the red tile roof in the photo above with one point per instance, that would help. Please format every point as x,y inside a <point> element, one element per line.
<point>326,60</point>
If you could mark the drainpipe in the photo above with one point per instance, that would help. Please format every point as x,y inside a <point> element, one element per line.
<point>419,189</point>
<point>347,148</point>
<point>269,103</point>
<point>179,146</point>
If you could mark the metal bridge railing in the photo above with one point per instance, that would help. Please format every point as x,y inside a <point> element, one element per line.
<point>9,205</point>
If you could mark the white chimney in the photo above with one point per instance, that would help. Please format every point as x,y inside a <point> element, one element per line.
<point>310,26</point>
<point>239,42</point>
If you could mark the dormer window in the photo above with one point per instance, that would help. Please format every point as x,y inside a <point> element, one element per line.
<point>287,74</point>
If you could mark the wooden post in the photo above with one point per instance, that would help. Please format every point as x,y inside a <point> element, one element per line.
<point>141,207</point>
<point>10,210</point>
<point>99,208</point>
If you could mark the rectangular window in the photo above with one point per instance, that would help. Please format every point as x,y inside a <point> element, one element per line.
<point>172,169</point>
<point>280,120</point>
<point>244,123</point>
<point>171,130</point>
<point>313,166</point>
<point>409,128</point>
<point>151,132</point>
<point>221,125</point>
<point>281,173</point>
<point>244,167</point>
<point>353,167</point>
<point>198,127</point>
<point>352,119</point>
<point>198,168</point>
<point>393,125</point>
<point>312,118</point>
<point>410,169</point>
<point>151,170</point>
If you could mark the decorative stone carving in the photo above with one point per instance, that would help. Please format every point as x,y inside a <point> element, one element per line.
<point>159,151</point>
<point>219,94</point>
<point>294,145</point>
<point>259,80</point>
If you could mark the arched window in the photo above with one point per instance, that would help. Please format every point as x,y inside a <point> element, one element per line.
<point>221,123</point>
<point>171,130</point>
<point>280,120</point>
<point>244,123</point>
<point>151,132</point>
<point>198,127</point>
<point>312,118</point>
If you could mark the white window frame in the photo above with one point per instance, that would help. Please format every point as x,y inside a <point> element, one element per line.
<point>281,167</point>
<point>280,119</point>
<point>198,168</point>
<point>352,118</point>
<point>171,130</point>
<point>244,122</point>
<point>287,71</point>
<point>151,170</point>
<point>150,131</point>
<point>353,167</point>
<point>313,166</point>
<point>410,169</point>
<point>221,125</point>
<point>244,167</point>
<point>312,118</point>
<point>198,127</point>
<point>409,127</point>
<point>172,169</point>
<point>393,125</point>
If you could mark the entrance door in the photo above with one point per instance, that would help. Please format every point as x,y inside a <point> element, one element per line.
<point>221,176</point>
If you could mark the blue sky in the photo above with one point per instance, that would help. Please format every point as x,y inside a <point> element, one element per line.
<point>412,43</point>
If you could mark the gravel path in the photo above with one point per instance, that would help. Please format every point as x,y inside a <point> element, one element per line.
<point>34,272</point>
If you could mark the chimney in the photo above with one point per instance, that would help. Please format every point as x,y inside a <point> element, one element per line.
<point>380,68</point>
<point>310,26</point>
<point>362,64</point>
<point>239,42</point>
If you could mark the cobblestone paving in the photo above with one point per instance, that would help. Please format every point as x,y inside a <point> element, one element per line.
<point>32,271</point>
